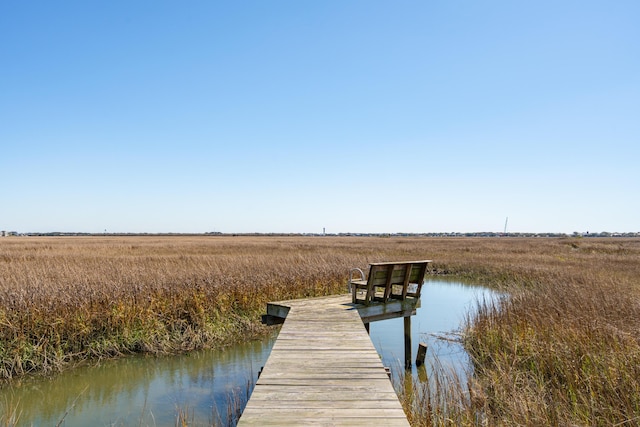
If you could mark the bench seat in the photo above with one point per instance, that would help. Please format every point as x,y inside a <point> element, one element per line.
<point>390,280</point>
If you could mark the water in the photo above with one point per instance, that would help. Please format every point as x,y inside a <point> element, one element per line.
<point>150,391</point>
<point>444,307</point>
<point>145,391</point>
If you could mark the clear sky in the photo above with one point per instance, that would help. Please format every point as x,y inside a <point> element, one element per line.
<point>294,116</point>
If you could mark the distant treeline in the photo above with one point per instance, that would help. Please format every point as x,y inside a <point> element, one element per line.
<point>448,234</point>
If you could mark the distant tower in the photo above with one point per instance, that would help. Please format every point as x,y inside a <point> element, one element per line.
<point>323,231</point>
<point>506,221</point>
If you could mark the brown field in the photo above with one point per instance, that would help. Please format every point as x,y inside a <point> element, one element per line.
<point>564,349</point>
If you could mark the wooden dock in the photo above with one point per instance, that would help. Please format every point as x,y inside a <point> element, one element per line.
<point>323,368</point>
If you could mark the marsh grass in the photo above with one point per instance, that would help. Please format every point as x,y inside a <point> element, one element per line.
<point>236,402</point>
<point>67,300</point>
<point>557,355</point>
<point>10,414</point>
<point>438,396</point>
<point>563,349</point>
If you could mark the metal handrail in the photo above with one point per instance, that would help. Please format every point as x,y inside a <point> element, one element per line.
<point>353,270</point>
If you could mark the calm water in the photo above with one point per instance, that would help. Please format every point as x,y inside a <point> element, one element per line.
<point>444,306</point>
<point>146,391</point>
<point>149,391</point>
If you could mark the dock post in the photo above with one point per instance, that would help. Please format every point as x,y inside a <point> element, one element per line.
<point>367,326</point>
<point>407,342</point>
<point>422,353</point>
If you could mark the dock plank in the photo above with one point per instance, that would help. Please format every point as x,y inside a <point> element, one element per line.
<point>323,370</point>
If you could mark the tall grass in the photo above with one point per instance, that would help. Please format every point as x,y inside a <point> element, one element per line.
<point>564,353</point>
<point>563,349</point>
<point>438,396</point>
<point>70,299</point>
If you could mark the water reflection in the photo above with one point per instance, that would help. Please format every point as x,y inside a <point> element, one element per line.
<point>151,390</point>
<point>140,390</point>
<point>444,306</point>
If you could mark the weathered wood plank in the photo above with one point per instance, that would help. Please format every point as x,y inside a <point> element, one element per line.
<point>275,395</point>
<point>323,370</point>
<point>374,383</point>
<point>320,378</point>
<point>348,359</point>
<point>332,412</point>
<point>352,389</point>
<point>274,420</point>
<point>390,280</point>
<point>322,403</point>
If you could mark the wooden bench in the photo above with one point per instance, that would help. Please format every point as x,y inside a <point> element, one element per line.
<point>388,280</point>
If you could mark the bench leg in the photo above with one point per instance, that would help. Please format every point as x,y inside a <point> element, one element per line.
<point>407,342</point>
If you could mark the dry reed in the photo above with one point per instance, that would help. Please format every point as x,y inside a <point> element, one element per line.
<point>69,299</point>
<point>564,349</point>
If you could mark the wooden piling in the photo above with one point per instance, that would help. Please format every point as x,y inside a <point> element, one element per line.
<point>407,342</point>
<point>422,353</point>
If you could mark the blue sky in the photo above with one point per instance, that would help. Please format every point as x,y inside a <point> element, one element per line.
<point>294,116</point>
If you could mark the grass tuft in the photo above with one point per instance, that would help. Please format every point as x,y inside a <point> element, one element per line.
<point>563,349</point>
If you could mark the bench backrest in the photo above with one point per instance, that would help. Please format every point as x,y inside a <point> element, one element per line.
<point>391,274</point>
<point>379,273</point>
